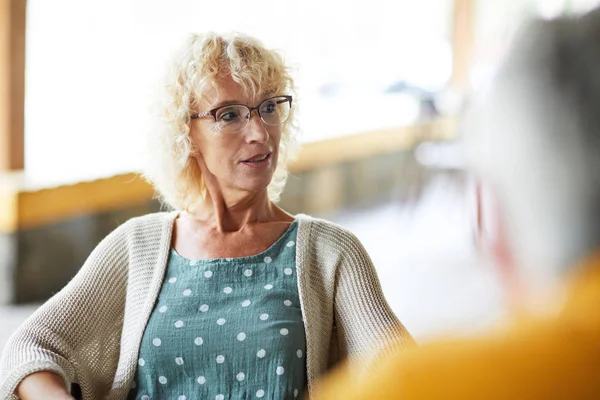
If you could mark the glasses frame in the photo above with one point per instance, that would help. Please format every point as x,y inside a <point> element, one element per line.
<point>214,111</point>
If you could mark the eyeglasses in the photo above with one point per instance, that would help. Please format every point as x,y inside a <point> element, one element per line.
<point>234,118</point>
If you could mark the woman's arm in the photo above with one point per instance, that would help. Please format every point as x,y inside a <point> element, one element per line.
<point>366,325</point>
<point>43,385</point>
<point>79,326</point>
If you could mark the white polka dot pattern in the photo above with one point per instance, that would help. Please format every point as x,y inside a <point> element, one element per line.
<point>244,299</point>
<point>251,295</point>
<point>323,250</point>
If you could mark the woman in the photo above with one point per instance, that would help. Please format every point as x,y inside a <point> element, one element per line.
<point>227,297</point>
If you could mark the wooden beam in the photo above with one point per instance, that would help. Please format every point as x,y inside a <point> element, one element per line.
<point>102,195</point>
<point>12,84</point>
<point>364,145</point>
<point>463,37</point>
<point>22,208</point>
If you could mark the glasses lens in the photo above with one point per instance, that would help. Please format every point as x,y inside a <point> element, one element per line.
<point>232,119</point>
<point>275,111</point>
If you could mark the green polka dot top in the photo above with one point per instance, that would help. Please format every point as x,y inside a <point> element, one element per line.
<point>226,329</point>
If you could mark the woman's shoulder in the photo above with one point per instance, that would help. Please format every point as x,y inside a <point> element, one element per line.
<point>145,234</point>
<point>157,219</point>
<point>143,228</point>
<point>325,231</point>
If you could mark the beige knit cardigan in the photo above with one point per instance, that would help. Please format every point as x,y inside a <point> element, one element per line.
<point>90,332</point>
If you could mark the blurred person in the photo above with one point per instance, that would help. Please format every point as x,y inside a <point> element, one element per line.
<point>533,142</point>
<point>229,296</point>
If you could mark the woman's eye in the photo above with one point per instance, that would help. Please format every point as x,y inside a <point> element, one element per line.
<point>269,108</point>
<point>229,116</point>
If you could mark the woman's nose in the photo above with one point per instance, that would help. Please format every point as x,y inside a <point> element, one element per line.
<point>256,131</point>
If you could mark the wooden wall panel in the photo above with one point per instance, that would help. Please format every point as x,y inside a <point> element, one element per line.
<point>12,84</point>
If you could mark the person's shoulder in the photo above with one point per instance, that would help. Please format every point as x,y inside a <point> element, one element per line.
<point>148,221</point>
<point>323,226</point>
<point>147,225</point>
<point>535,349</point>
<point>537,359</point>
<point>327,232</point>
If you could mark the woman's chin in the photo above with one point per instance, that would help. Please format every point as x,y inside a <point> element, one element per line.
<point>254,185</point>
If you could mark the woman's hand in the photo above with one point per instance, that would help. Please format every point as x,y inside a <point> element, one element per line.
<point>43,386</point>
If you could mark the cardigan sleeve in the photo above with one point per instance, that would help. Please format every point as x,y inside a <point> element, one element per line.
<point>76,334</point>
<point>366,325</point>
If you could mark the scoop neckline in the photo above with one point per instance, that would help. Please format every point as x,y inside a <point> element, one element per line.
<point>263,253</point>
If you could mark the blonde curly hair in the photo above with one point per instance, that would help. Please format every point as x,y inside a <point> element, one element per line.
<point>170,168</point>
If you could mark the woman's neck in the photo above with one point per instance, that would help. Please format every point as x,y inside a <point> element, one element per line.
<point>233,213</point>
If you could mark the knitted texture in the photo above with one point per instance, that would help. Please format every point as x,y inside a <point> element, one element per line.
<point>90,332</point>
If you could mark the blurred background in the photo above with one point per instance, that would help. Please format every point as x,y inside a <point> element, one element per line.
<point>381,88</point>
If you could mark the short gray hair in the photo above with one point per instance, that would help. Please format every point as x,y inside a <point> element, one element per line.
<point>536,136</point>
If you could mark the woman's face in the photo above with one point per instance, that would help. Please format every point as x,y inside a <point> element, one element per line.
<point>241,161</point>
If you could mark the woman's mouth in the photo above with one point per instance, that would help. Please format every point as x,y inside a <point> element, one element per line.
<point>258,160</point>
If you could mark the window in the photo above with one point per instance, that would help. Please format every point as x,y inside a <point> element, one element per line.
<point>92,66</point>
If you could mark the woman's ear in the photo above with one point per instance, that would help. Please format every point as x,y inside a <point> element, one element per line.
<point>194,150</point>
<point>493,238</point>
